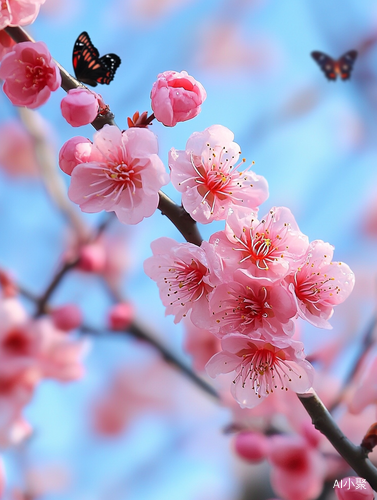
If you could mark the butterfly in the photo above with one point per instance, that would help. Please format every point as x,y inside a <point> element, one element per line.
<point>332,68</point>
<point>88,66</point>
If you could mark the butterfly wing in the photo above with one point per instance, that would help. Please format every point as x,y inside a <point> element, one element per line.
<point>88,66</point>
<point>326,63</point>
<point>345,64</point>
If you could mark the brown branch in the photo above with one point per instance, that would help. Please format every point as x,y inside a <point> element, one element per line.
<point>355,456</point>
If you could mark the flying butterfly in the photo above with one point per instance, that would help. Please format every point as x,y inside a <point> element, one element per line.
<point>332,68</point>
<point>88,66</point>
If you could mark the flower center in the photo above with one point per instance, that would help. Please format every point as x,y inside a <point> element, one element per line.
<point>16,343</point>
<point>37,74</point>
<point>185,282</point>
<point>314,287</point>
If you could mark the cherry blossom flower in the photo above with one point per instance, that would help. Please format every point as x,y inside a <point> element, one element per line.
<point>261,367</point>
<point>267,249</point>
<point>121,315</point>
<point>66,317</point>
<point>319,284</point>
<point>29,74</point>
<point>176,97</point>
<point>246,306</point>
<point>125,179</point>
<point>79,107</point>
<point>298,470</point>
<point>19,12</point>
<point>206,174</point>
<point>183,272</point>
<point>251,446</point>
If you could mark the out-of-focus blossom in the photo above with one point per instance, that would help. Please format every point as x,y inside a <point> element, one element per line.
<point>364,389</point>
<point>201,344</point>
<point>2,477</point>
<point>92,257</point>
<point>67,317</point>
<point>319,284</point>
<point>260,368</point>
<point>176,97</point>
<point>251,446</point>
<point>207,175</point>
<point>125,178</point>
<point>121,316</point>
<point>19,12</point>
<point>353,488</point>
<point>267,249</point>
<point>79,107</point>
<point>298,470</point>
<point>29,74</point>
<point>17,151</point>
<point>182,272</point>
<point>6,43</point>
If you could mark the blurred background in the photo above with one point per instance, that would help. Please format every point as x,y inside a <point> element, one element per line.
<point>313,140</point>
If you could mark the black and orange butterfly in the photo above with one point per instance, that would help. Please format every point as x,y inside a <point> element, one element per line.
<point>332,68</point>
<point>89,67</point>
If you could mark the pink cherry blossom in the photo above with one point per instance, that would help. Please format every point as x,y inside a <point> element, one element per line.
<point>261,367</point>
<point>77,150</point>
<point>125,179</point>
<point>267,249</point>
<point>66,317</point>
<point>92,257</point>
<point>298,470</point>
<point>6,43</point>
<point>79,107</point>
<point>182,272</point>
<point>176,97</point>
<point>319,284</point>
<point>206,174</point>
<point>2,478</point>
<point>363,391</point>
<point>19,12</point>
<point>201,344</point>
<point>30,74</point>
<point>246,306</point>
<point>353,488</point>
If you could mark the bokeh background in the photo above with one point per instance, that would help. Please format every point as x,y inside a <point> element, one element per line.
<point>314,141</point>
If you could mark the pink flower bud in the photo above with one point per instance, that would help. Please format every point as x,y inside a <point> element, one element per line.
<point>30,74</point>
<point>92,258</point>
<point>353,488</point>
<point>121,316</point>
<point>79,107</point>
<point>67,317</point>
<point>251,446</point>
<point>176,97</point>
<point>74,151</point>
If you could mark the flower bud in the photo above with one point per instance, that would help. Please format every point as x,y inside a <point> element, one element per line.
<point>121,316</point>
<point>79,107</point>
<point>67,317</point>
<point>251,446</point>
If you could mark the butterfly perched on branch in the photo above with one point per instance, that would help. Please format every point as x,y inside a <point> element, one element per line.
<point>332,68</point>
<point>88,66</point>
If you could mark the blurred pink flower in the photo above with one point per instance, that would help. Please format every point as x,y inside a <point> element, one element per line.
<point>319,284</point>
<point>267,249</point>
<point>363,391</point>
<point>298,470</point>
<point>176,97</point>
<point>182,273</point>
<point>19,12</point>
<point>245,306</point>
<point>125,179</point>
<point>353,488</point>
<point>2,477</point>
<point>206,174</point>
<point>261,367</point>
<point>121,316</point>
<point>92,257</point>
<point>79,107</point>
<point>251,446</point>
<point>29,74</point>
<point>6,43</point>
<point>200,344</point>
<point>17,151</point>
<point>66,317</point>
